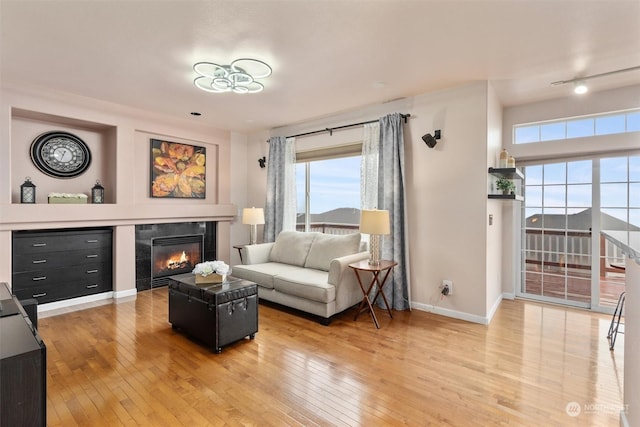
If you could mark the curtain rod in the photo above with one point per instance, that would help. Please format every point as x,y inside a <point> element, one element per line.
<point>330,130</point>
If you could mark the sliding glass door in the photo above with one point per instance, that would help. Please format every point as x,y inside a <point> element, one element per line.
<point>564,258</point>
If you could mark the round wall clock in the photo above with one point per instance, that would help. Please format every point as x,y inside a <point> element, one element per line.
<point>60,154</point>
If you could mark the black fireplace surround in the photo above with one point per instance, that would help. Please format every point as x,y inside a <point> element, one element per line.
<point>146,232</point>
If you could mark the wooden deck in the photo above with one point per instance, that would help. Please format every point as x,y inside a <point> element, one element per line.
<point>123,364</point>
<point>551,283</point>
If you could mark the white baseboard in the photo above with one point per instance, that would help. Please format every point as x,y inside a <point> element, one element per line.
<point>461,315</point>
<point>114,295</point>
<point>450,313</point>
<point>508,295</point>
<point>623,419</point>
<point>126,293</point>
<point>494,308</point>
<point>74,301</point>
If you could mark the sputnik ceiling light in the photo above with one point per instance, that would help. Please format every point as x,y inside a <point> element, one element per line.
<point>579,83</point>
<point>238,77</point>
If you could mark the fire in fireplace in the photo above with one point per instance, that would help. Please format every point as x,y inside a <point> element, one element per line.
<point>174,255</point>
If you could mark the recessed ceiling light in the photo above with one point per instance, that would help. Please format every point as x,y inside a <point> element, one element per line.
<point>580,88</point>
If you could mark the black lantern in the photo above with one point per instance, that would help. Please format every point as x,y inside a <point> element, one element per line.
<point>97,193</point>
<point>27,191</point>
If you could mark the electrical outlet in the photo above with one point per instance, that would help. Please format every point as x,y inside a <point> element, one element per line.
<point>447,287</point>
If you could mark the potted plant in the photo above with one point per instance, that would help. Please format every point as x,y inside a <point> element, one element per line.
<point>506,185</point>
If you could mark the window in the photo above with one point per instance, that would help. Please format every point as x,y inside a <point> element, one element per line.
<point>579,127</point>
<point>328,193</point>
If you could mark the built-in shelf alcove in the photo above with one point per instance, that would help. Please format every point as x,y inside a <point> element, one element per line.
<point>26,125</point>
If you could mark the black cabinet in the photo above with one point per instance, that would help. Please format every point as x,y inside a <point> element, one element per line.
<point>23,367</point>
<point>52,265</point>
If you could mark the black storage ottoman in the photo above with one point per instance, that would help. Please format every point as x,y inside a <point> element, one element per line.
<point>216,314</point>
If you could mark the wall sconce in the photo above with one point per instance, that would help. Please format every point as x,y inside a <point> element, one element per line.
<point>375,223</point>
<point>253,217</point>
<point>27,191</point>
<point>97,193</point>
<point>262,162</point>
<point>430,140</point>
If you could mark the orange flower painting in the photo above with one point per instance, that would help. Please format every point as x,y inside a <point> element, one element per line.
<point>177,170</point>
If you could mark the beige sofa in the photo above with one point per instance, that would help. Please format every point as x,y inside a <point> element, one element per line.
<point>306,271</point>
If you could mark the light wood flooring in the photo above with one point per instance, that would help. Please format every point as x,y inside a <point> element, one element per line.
<point>123,364</point>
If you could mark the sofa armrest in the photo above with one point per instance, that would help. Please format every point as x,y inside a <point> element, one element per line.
<point>339,266</point>
<point>257,254</point>
<point>344,279</point>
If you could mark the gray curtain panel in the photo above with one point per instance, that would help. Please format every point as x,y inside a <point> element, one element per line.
<point>391,197</point>
<point>280,204</point>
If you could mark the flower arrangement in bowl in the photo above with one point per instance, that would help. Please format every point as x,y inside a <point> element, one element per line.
<point>506,185</point>
<point>211,272</point>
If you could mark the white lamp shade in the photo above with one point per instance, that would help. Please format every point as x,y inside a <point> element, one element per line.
<point>375,222</point>
<point>253,216</point>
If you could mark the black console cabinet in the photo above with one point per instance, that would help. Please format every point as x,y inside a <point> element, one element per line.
<point>23,366</point>
<point>52,265</point>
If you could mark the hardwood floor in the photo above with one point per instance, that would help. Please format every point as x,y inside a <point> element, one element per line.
<point>122,364</point>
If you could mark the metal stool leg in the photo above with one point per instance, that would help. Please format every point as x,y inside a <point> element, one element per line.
<point>615,322</point>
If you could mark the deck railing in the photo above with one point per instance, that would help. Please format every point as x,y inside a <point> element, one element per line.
<point>547,247</point>
<point>330,227</point>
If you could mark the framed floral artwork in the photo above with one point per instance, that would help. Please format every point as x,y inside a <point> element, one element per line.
<point>178,170</point>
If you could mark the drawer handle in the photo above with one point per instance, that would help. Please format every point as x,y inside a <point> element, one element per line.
<point>92,256</point>
<point>39,245</point>
<point>92,286</point>
<point>44,294</point>
<point>92,241</point>
<point>38,261</point>
<point>35,279</point>
<point>91,271</point>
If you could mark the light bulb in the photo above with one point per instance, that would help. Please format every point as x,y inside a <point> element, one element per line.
<point>580,88</point>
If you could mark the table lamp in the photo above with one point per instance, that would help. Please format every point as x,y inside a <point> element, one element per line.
<point>375,223</point>
<point>253,217</point>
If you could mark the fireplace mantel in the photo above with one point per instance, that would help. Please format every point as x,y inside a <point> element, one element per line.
<point>44,216</point>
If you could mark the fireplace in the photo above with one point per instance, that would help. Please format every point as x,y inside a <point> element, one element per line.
<point>174,255</point>
<point>147,237</point>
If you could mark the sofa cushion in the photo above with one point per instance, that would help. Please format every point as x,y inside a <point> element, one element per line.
<point>305,283</point>
<point>326,247</point>
<point>262,274</point>
<point>292,247</point>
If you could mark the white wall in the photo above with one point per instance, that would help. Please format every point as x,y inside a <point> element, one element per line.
<point>632,344</point>
<point>446,191</point>
<point>495,248</point>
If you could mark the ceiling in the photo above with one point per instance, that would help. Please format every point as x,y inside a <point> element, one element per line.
<point>327,56</point>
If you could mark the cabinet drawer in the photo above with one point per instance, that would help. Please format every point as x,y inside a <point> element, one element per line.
<point>50,260</point>
<point>59,291</point>
<point>43,293</point>
<point>39,242</point>
<point>89,272</point>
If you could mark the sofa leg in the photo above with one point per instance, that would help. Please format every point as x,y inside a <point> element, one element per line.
<point>325,321</point>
